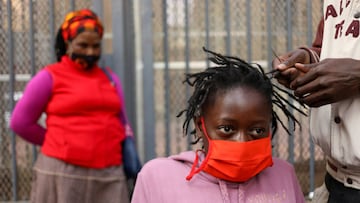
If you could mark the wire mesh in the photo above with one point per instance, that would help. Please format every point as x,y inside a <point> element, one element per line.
<point>248,36</point>
<point>15,182</point>
<point>236,27</point>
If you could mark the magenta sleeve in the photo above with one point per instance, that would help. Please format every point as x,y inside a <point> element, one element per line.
<point>123,116</point>
<point>27,111</point>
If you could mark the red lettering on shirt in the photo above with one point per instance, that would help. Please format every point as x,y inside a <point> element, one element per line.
<point>344,24</point>
<point>330,11</point>
<point>341,7</point>
<point>347,3</point>
<point>339,28</point>
<point>353,29</point>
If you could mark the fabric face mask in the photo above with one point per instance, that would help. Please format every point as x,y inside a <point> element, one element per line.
<point>90,60</point>
<point>234,161</point>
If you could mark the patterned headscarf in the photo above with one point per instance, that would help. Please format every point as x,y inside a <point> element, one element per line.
<point>79,21</point>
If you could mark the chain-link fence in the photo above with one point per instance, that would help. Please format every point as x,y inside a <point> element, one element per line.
<point>250,30</point>
<point>178,30</point>
<point>27,34</point>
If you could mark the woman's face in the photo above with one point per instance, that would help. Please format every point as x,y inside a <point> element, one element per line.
<point>87,43</point>
<point>239,114</point>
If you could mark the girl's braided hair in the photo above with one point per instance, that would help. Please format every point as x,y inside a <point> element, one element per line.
<point>231,72</point>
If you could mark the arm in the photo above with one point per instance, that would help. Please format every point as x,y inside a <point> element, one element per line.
<point>24,118</point>
<point>132,164</point>
<point>317,43</point>
<point>122,115</point>
<point>324,82</point>
<point>315,50</point>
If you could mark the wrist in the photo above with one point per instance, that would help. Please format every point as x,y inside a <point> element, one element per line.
<point>313,56</point>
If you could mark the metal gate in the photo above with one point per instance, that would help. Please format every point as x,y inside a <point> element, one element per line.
<point>150,45</point>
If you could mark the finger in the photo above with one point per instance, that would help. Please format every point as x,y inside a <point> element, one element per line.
<point>284,82</point>
<point>289,75</point>
<point>309,75</point>
<point>316,99</point>
<point>292,73</point>
<point>308,88</point>
<point>284,65</point>
<point>294,58</point>
<point>304,68</point>
<point>275,63</point>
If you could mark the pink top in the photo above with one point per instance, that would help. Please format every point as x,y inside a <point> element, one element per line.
<point>162,180</point>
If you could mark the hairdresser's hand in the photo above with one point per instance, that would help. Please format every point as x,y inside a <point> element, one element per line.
<point>328,81</point>
<point>286,65</point>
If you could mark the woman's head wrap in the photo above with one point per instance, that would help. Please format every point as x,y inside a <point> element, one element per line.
<point>79,21</point>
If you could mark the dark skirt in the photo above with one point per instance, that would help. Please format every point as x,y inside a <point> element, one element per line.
<point>58,182</point>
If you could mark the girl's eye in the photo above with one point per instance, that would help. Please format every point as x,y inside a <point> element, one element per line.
<point>226,129</point>
<point>258,132</point>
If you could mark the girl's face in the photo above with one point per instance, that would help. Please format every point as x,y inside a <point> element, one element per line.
<point>239,114</point>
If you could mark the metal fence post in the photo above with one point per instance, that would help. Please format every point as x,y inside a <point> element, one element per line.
<point>289,47</point>
<point>129,62</point>
<point>11,98</point>
<point>52,30</point>
<point>166,77</point>
<point>32,57</point>
<point>312,147</point>
<point>148,79</point>
<point>187,60</point>
<point>207,28</point>
<point>248,31</point>
<point>228,27</point>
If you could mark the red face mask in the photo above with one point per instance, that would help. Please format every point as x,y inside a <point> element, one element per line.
<point>234,161</point>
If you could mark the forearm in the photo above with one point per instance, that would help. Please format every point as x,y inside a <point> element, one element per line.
<point>315,50</point>
<point>313,55</point>
<point>28,110</point>
<point>31,132</point>
<point>122,115</point>
<point>317,43</point>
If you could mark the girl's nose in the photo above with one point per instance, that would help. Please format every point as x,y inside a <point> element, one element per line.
<point>241,137</point>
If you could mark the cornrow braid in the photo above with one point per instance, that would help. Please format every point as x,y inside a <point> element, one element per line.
<point>230,72</point>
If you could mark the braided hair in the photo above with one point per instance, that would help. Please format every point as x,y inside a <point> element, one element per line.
<point>231,72</point>
<point>60,45</point>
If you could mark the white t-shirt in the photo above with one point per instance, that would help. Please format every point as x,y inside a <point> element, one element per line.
<point>336,127</point>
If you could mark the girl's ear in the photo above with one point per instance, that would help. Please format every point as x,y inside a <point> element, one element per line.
<point>198,128</point>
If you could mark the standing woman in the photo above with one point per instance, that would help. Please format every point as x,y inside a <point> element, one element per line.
<point>80,159</point>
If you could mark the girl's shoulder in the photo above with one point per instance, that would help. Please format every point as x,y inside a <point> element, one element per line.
<point>280,163</point>
<point>178,165</point>
<point>181,160</point>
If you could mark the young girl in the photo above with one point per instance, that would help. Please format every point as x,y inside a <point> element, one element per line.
<point>232,111</point>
